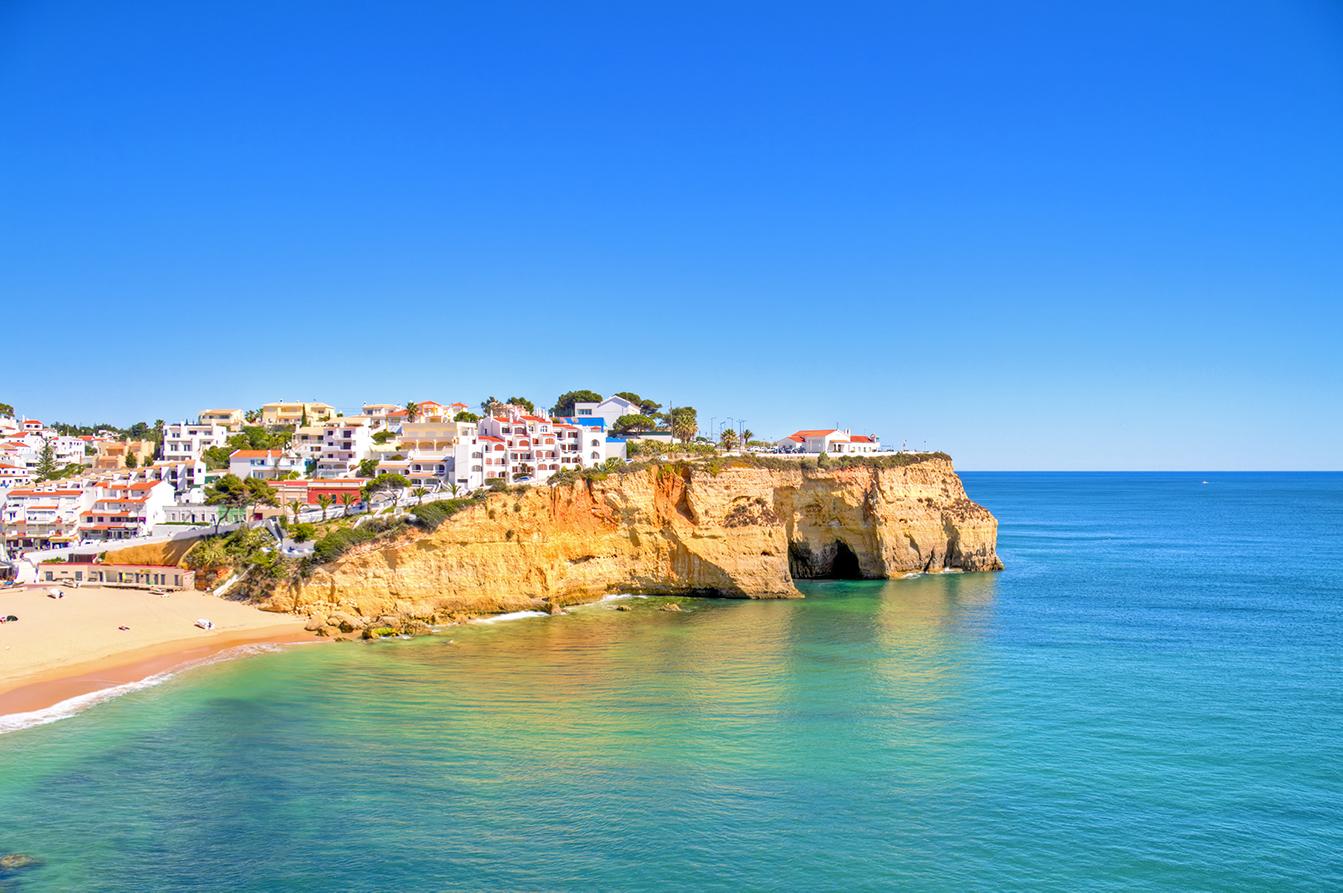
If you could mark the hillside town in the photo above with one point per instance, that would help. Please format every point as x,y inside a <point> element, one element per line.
<point>62,485</point>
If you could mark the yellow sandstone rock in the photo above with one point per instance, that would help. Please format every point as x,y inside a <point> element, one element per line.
<point>738,530</point>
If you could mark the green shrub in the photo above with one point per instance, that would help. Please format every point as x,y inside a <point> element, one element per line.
<point>338,542</point>
<point>431,514</point>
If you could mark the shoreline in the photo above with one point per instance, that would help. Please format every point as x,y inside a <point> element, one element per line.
<point>50,688</point>
<point>97,639</point>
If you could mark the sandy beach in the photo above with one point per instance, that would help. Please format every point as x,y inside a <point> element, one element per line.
<point>60,648</point>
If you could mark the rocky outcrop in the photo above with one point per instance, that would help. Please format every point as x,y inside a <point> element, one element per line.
<point>738,529</point>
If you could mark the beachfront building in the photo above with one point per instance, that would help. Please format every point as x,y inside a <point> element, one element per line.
<point>136,576</point>
<point>265,464</point>
<point>345,443</point>
<point>830,440</point>
<point>231,419</point>
<point>582,441</point>
<point>291,413</point>
<point>197,514</point>
<point>534,448</point>
<point>607,410</point>
<point>42,517</point>
<point>440,455</point>
<point>184,441</point>
<point>120,511</point>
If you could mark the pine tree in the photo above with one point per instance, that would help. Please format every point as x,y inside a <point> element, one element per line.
<point>46,462</point>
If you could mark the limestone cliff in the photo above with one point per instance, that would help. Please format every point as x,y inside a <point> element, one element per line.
<point>745,529</point>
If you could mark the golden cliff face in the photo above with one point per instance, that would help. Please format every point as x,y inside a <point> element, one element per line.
<point>746,531</point>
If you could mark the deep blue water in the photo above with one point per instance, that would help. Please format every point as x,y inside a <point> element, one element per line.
<point>1148,697</point>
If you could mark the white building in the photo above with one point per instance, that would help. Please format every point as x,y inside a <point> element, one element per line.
<point>607,410</point>
<point>265,464</point>
<point>345,443</point>
<point>12,476</point>
<point>830,440</point>
<point>183,441</point>
<point>533,448</point>
<point>119,510</point>
<point>42,517</point>
<point>441,454</point>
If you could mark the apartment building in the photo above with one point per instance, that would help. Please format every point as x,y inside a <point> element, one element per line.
<point>286,413</point>
<point>307,441</point>
<point>344,445</point>
<point>110,454</point>
<point>42,517</point>
<point>231,419</point>
<point>122,510</point>
<point>536,447</point>
<point>183,441</point>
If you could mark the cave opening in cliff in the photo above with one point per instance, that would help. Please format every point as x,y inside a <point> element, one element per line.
<point>835,561</point>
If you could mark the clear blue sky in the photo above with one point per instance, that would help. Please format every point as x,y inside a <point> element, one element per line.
<point>1036,235</point>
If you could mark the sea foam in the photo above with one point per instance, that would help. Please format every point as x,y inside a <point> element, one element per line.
<point>513,615</point>
<point>15,722</point>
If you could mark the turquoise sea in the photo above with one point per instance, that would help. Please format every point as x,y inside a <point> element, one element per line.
<point>1148,698</point>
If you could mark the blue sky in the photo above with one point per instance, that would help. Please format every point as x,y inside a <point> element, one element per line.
<point>1037,235</point>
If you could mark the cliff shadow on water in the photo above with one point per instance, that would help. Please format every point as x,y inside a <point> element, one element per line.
<point>740,528</point>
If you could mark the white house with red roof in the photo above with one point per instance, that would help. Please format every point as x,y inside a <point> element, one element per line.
<point>830,440</point>
<point>42,516</point>
<point>265,464</point>
<point>12,476</point>
<point>345,443</point>
<point>530,447</point>
<point>121,510</point>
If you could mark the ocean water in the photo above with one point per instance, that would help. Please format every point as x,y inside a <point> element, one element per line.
<point>1148,698</point>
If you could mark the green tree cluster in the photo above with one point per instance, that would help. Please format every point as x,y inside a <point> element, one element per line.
<point>649,407</point>
<point>231,492</point>
<point>627,423</point>
<point>564,403</point>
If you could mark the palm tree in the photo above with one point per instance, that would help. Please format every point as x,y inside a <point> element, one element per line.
<point>296,507</point>
<point>325,502</point>
<point>454,488</point>
<point>747,435</point>
<point>419,493</point>
<point>728,439</point>
<point>346,499</point>
<point>412,411</point>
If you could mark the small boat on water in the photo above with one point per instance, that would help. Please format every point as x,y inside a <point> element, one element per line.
<point>205,623</point>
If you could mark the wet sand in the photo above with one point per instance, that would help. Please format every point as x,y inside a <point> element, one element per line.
<point>61,648</point>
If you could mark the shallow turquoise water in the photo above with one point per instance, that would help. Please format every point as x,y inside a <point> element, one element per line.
<point>1149,697</point>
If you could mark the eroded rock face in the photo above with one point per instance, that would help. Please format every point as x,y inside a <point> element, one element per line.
<point>745,532</point>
